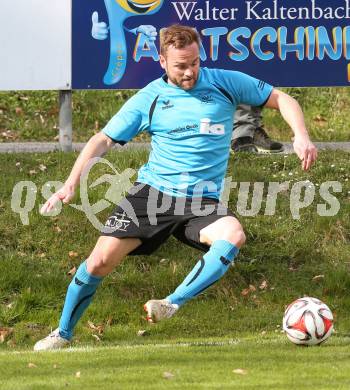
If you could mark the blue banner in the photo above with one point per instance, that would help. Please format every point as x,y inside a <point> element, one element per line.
<point>288,43</point>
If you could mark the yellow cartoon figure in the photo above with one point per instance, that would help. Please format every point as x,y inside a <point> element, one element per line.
<point>140,6</point>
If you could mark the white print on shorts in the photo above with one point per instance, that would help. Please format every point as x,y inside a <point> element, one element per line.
<point>118,222</point>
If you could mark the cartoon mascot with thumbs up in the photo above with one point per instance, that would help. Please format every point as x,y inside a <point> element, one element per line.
<point>118,11</point>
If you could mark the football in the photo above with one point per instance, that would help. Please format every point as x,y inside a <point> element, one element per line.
<point>308,321</point>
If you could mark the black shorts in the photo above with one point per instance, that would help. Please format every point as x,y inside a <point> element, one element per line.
<point>153,216</point>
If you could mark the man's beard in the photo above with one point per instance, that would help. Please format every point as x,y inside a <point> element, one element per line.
<point>180,83</point>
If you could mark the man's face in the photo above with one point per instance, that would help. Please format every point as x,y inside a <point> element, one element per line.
<point>181,65</point>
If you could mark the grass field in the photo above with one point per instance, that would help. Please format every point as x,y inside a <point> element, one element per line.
<point>33,116</point>
<point>257,362</point>
<point>234,325</point>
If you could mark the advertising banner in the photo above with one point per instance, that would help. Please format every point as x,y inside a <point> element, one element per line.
<point>284,42</point>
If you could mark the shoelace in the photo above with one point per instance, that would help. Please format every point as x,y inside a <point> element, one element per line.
<point>167,309</point>
<point>261,131</point>
<point>54,334</point>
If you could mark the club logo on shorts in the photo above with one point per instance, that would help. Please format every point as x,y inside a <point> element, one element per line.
<point>118,222</point>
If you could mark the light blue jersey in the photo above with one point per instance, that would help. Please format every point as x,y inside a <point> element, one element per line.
<point>190,130</point>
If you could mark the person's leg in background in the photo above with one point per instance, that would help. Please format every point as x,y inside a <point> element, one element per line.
<point>248,133</point>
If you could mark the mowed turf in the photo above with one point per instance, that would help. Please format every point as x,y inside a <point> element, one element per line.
<point>284,258</point>
<point>258,362</point>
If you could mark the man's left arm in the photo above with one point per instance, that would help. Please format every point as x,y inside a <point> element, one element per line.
<point>293,115</point>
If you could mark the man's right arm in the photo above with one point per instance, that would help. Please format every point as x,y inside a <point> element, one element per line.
<point>97,146</point>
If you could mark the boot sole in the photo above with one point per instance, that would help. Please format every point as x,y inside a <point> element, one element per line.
<point>268,151</point>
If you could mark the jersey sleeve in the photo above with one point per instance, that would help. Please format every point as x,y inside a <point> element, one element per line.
<point>245,89</point>
<point>129,121</point>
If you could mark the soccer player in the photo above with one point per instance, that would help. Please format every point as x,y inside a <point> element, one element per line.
<point>188,113</point>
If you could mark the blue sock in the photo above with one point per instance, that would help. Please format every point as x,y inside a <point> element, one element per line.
<point>206,272</point>
<point>79,295</point>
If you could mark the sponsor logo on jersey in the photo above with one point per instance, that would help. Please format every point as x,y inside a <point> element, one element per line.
<point>184,129</point>
<point>207,127</point>
<point>167,104</point>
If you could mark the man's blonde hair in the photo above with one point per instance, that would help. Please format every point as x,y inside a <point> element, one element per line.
<point>178,36</point>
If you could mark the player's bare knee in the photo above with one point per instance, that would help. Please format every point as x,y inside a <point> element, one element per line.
<point>101,262</point>
<point>233,232</point>
<point>227,228</point>
<point>239,237</point>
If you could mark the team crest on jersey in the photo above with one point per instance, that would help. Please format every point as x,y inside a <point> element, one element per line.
<point>206,98</point>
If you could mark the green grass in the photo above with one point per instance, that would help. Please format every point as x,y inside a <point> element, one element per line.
<point>264,361</point>
<point>33,116</point>
<point>286,253</point>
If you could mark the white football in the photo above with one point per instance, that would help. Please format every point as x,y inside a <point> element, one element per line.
<point>308,321</point>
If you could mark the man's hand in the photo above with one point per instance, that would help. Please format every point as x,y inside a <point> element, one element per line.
<point>65,195</point>
<point>293,115</point>
<point>306,151</point>
<point>96,147</point>
<point>99,30</point>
